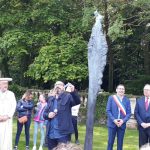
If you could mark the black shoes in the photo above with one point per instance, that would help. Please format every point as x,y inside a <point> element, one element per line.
<point>77,142</point>
<point>27,147</point>
<point>15,148</point>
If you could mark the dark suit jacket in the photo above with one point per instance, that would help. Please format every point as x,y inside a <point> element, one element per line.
<point>141,115</point>
<point>112,112</point>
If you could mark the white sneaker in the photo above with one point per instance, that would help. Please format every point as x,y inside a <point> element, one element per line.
<point>40,148</point>
<point>34,148</point>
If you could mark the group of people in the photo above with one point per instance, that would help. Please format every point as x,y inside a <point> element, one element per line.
<point>119,112</point>
<point>24,110</point>
<point>58,115</point>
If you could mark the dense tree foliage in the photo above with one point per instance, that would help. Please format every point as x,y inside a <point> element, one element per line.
<point>128,39</point>
<point>46,40</point>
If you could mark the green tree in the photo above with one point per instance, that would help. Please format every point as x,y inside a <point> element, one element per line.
<point>61,59</point>
<point>127,27</point>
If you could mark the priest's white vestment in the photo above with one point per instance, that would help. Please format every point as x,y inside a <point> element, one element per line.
<point>7,107</point>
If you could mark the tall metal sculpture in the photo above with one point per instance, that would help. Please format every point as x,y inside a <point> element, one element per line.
<point>97,51</point>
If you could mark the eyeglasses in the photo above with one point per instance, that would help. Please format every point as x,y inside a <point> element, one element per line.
<point>59,84</point>
<point>146,89</point>
<point>121,88</point>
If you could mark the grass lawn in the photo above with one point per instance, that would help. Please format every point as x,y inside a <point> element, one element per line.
<point>99,139</point>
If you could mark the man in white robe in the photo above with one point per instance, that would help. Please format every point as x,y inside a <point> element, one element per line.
<point>7,109</point>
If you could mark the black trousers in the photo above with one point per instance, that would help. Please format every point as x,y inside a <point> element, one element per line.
<point>144,136</point>
<point>27,131</point>
<point>75,125</point>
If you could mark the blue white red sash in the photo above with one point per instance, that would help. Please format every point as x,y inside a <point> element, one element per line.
<point>119,104</point>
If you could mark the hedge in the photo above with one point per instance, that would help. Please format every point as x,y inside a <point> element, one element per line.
<point>100,109</point>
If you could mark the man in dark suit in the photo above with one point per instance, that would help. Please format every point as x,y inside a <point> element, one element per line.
<point>118,113</point>
<point>142,115</point>
<point>58,114</point>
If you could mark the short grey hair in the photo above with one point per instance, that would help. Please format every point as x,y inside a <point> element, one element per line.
<point>59,82</point>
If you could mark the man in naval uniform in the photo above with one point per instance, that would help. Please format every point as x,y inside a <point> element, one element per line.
<point>7,109</point>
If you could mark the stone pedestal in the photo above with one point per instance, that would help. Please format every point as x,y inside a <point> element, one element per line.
<point>132,122</point>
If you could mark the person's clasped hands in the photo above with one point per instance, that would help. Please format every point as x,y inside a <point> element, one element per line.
<point>145,125</point>
<point>4,118</point>
<point>118,122</point>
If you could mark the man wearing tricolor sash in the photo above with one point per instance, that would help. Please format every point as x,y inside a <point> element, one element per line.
<point>118,113</point>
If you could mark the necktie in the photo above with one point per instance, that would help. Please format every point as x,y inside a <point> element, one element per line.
<point>146,103</point>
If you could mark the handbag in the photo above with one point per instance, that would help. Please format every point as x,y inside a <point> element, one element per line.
<point>23,119</point>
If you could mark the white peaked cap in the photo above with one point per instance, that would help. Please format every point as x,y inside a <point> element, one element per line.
<point>5,79</point>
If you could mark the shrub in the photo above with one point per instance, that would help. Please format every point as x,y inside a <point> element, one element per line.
<point>100,109</point>
<point>136,86</point>
<point>18,90</point>
<point>100,112</point>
